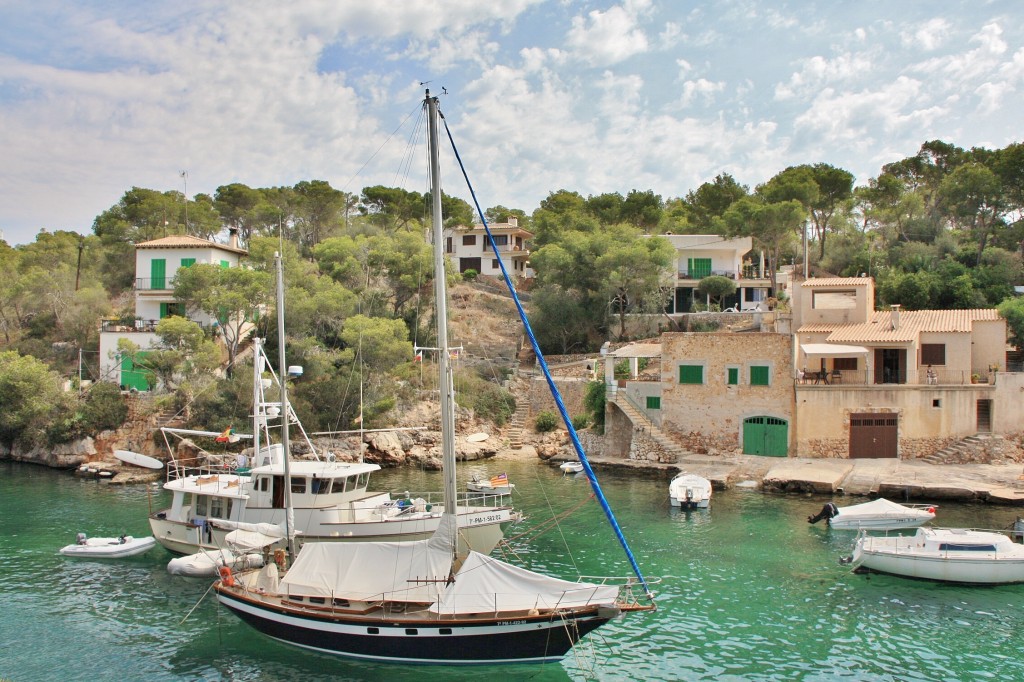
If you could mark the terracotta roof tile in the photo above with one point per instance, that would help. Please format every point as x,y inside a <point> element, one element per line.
<point>177,241</point>
<point>912,322</point>
<point>836,282</point>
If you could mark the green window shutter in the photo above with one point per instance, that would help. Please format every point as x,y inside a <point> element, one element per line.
<point>158,273</point>
<point>759,376</point>
<point>699,268</point>
<point>653,402</point>
<point>188,262</point>
<point>734,376</point>
<point>225,264</point>
<point>691,374</point>
<point>163,310</point>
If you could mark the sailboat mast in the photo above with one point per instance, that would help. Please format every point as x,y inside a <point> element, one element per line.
<point>289,517</point>
<point>445,388</point>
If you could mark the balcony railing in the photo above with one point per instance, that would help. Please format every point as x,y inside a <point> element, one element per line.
<point>748,272</point>
<point>154,284</point>
<point>913,377</point>
<point>138,326</point>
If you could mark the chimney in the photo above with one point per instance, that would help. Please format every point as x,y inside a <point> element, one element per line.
<point>233,237</point>
<point>513,221</point>
<point>895,316</point>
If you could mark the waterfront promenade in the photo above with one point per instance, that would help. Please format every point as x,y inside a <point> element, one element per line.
<point>890,478</point>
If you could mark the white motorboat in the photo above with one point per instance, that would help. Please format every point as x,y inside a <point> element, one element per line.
<point>880,514</point>
<point>954,555</point>
<point>689,491</point>
<point>495,485</point>
<point>416,602</point>
<point>571,467</point>
<point>330,499</point>
<point>108,548</point>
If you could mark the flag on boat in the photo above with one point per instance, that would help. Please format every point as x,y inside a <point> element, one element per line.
<point>418,357</point>
<point>226,436</point>
<point>499,481</point>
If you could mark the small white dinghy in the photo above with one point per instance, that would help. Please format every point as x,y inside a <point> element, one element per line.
<point>880,514</point>
<point>956,555</point>
<point>208,564</point>
<point>108,548</point>
<point>495,485</point>
<point>689,491</point>
<point>571,467</point>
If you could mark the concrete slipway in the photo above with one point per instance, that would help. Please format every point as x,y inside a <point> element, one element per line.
<point>893,479</point>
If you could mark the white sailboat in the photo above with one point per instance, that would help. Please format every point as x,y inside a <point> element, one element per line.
<point>430,606</point>
<point>957,555</point>
<point>330,500</point>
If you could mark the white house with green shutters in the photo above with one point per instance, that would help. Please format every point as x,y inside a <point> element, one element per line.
<point>156,265</point>
<point>702,255</point>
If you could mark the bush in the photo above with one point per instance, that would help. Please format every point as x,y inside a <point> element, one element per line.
<point>594,400</point>
<point>103,408</point>
<point>545,422</point>
<point>486,398</point>
<point>580,422</point>
<point>470,275</point>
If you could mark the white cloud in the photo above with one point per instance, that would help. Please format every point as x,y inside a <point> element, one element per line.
<point>700,88</point>
<point>818,72</point>
<point>610,37</point>
<point>646,94</point>
<point>929,36</point>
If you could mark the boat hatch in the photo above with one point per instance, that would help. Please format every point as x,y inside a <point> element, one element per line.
<point>951,547</point>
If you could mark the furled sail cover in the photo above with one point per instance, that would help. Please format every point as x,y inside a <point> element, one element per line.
<point>487,585</point>
<point>368,571</point>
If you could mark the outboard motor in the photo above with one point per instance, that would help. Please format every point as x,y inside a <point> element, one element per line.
<point>827,512</point>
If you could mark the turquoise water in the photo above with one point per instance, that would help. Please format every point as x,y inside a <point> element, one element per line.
<point>749,591</point>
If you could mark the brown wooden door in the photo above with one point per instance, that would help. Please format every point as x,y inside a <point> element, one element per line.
<point>873,436</point>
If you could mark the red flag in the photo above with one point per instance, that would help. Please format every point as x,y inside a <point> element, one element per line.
<point>419,357</point>
<point>226,436</point>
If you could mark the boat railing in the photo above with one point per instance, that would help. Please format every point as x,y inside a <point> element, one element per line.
<point>205,465</point>
<point>435,500</point>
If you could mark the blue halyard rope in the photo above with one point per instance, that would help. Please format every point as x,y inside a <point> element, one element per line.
<point>591,476</point>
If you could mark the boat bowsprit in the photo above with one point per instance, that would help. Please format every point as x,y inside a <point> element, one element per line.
<point>955,555</point>
<point>108,548</point>
<point>880,514</point>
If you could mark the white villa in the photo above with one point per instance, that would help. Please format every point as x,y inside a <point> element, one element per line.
<point>156,263</point>
<point>470,249</point>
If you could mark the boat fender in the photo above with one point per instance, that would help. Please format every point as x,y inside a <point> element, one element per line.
<point>279,555</point>
<point>225,576</point>
<point>931,510</point>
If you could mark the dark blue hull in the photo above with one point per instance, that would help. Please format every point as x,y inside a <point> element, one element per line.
<point>522,640</point>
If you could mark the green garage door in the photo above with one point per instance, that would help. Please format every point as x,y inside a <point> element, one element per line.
<point>132,376</point>
<point>765,436</point>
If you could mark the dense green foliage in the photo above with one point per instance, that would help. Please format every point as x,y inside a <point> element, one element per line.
<point>545,422</point>
<point>943,228</point>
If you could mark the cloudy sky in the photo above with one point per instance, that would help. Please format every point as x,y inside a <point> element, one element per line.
<point>590,95</point>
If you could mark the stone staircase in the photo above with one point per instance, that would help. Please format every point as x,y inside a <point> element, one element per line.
<point>169,418</point>
<point>673,451</point>
<point>518,424</point>
<point>974,448</point>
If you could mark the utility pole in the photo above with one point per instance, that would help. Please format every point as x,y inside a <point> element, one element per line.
<point>184,179</point>
<point>78,268</point>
